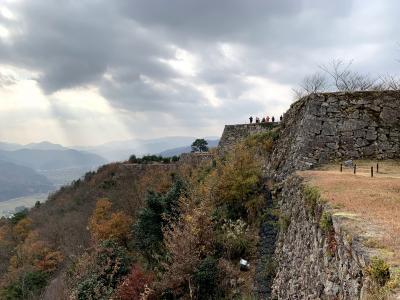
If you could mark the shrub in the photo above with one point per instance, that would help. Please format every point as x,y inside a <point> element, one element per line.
<point>237,181</point>
<point>255,208</point>
<point>135,285</point>
<point>284,222</point>
<point>236,239</point>
<point>326,222</point>
<point>111,263</point>
<point>379,271</point>
<point>18,216</point>
<point>312,198</point>
<point>105,225</point>
<point>148,229</point>
<point>262,142</point>
<point>206,278</point>
<point>187,241</point>
<point>28,285</point>
<point>151,219</point>
<point>151,158</point>
<point>133,159</point>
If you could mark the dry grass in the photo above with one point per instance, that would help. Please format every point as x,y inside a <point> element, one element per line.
<point>375,200</point>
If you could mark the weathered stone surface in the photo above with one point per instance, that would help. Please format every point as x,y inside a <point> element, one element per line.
<point>315,130</point>
<point>308,266</point>
<point>363,124</point>
<point>233,134</point>
<point>195,158</point>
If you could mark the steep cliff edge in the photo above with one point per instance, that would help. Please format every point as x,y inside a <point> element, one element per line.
<point>312,263</point>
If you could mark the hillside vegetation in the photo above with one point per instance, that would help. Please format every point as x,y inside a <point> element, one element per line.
<point>161,230</point>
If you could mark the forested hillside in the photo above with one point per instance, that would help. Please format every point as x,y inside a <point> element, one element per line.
<point>128,231</point>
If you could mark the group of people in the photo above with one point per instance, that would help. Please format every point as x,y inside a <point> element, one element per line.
<point>266,119</point>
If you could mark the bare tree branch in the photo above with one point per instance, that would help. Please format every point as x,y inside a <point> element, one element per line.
<point>389,82</point>
<point>345,79</point>
<point>314,83</point>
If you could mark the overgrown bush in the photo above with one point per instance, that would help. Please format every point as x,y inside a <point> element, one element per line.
<point>146,159</point>
<point>312,197</point>
<point>206,278</point>
<point>326,222</point>
<point>238,180</point>
<point>110,265</point>
<point>284,222</point>
<point>18,216</point>
<point>236,239</point>
<point>159,209</point>
<point>28,286</point>
<point>105,224</point>
<point>135,285</point>
<point>262,142</point>
<point>255,208</point>
<point>379,271</point>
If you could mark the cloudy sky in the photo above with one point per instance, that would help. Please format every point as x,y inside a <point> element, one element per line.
<point>91,71</point>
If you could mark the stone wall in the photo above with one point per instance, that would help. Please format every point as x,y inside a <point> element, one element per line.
<point>328,126</point>
<point>195,158</point>
<point>311,263</point>
<point>317,129</point>
<point>234,134</point>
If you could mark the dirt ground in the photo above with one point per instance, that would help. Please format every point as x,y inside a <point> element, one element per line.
<point>374,200</point>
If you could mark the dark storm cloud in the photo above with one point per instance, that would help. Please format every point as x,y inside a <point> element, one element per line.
<point>122,47</point>
<point>73,43</point>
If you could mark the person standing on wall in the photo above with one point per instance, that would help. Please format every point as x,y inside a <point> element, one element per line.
<point>273,119</point>
<point>251,119</point>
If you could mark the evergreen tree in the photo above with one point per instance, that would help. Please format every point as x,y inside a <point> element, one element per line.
<point>200,145</point>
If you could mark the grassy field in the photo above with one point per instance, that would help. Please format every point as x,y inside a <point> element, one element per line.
<point>375,201</point>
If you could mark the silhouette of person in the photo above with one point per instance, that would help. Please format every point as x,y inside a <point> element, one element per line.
<point>251,119</point>
<point>273,119</point>
<point>280,118</point>
<point>263,120</point>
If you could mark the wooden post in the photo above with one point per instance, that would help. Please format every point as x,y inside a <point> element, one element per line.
<point>355,169</point>
<point>377,168</point>
<point>372,171</point>
<point>341,168</point>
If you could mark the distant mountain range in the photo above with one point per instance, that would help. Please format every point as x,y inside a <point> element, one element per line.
<point>52,159</point>
<point>41,167</point>
<point>37,146</point>
<point>17,181</point>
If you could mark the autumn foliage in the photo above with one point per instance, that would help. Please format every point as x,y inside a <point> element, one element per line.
<point>150,231</point>
<point>105,225</point>
<point>136,285</point>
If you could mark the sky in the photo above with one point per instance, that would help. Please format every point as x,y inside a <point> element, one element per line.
<point>85,72</point>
